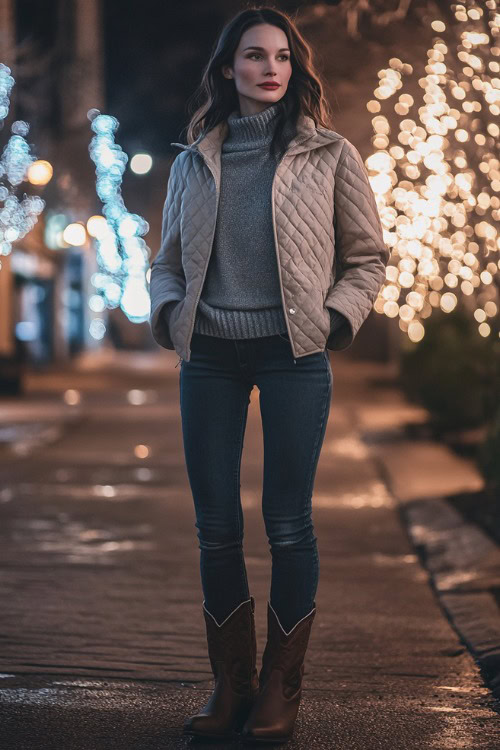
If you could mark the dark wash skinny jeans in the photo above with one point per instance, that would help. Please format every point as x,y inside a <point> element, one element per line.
<point>294,399</point>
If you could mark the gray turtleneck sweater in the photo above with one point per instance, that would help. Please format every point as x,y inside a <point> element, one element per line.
<point>241,294</point>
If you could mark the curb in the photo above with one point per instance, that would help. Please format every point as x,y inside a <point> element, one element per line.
<point>463,562</point>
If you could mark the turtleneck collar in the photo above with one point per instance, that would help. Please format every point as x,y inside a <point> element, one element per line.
<point>251,131</point>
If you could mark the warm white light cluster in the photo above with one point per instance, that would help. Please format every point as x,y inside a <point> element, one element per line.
<point>122,254</point>
<point>437,182</point>
<point>17,217</point>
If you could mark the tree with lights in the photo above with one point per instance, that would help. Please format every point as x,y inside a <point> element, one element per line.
<point>122,254</point>
<point>437,178</point>
<point>17,217</point>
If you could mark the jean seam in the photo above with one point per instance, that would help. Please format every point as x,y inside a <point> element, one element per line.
<point>237,487</point>
<point>320,433</point>
<point>329,369</point>
<point>314,460</point>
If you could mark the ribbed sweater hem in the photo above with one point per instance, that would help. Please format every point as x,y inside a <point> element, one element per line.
<point>239,324</point>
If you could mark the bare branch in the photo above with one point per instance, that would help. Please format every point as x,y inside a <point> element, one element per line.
<point>392,15</point>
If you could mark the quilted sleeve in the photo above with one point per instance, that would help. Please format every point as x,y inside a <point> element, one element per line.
<point>168,282</point>
<point>360,252</point>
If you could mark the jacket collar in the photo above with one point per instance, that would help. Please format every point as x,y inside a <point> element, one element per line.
<point>307,138</point>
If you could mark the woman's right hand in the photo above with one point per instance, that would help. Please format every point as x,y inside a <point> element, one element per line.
<point>166,311</point>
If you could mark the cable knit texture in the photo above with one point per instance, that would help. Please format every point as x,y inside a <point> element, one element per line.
<point>241,293</point>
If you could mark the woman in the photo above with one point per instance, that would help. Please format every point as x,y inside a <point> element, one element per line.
<point>271,252</point>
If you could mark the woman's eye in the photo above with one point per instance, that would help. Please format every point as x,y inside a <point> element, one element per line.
<point>256,54</point>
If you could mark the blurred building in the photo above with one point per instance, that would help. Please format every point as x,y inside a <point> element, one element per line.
<point>44,285</point>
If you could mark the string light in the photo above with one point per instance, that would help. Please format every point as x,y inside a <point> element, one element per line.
<point>437,179</point>
<point>17,217</point>
<point>122,254</point>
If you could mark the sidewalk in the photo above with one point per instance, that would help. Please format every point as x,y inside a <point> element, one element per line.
<point>103,639</point>
<point>462,559</point>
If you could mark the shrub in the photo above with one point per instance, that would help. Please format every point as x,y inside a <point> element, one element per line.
<point>489,453</point>
<point>454,372</point>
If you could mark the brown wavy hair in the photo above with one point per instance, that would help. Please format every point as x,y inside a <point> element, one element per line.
<point>219,96</point>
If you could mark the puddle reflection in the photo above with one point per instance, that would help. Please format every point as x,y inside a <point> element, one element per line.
<point>75,541</point>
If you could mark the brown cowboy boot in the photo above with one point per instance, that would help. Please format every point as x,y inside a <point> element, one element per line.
<point>273,714</point>
<point>232,651</point>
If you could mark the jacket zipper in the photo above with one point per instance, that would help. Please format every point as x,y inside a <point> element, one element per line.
<point>276,248</point>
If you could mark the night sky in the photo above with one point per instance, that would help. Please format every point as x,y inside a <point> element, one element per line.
<point>156,52</point>
<point>154,56</point>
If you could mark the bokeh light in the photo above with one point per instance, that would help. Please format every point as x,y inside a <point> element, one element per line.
<point>40,172</point>
<point>436,178</point>
<point>141,163</point>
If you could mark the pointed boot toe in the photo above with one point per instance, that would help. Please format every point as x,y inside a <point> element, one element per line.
<point>232,651</point>
<point>273,715</point>
<point>272,720</point>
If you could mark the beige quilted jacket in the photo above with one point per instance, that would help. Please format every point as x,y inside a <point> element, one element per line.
<point>327,230</point>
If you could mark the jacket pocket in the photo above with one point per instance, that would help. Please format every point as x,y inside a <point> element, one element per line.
<point>173,320</point>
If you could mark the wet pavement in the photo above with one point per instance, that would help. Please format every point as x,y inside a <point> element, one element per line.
<point>102,640</point>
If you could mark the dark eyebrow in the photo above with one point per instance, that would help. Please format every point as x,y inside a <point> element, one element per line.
<point>283,49</point>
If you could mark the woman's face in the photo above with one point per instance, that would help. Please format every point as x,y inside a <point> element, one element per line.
<point>262,56</point>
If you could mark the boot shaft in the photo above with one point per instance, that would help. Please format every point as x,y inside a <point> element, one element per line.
<point>232,646</point>
<point>286,651</point>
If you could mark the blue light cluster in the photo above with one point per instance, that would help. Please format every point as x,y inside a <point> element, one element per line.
<point>122,254</point>
<point>17,217</point>
<point>6,84</point>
